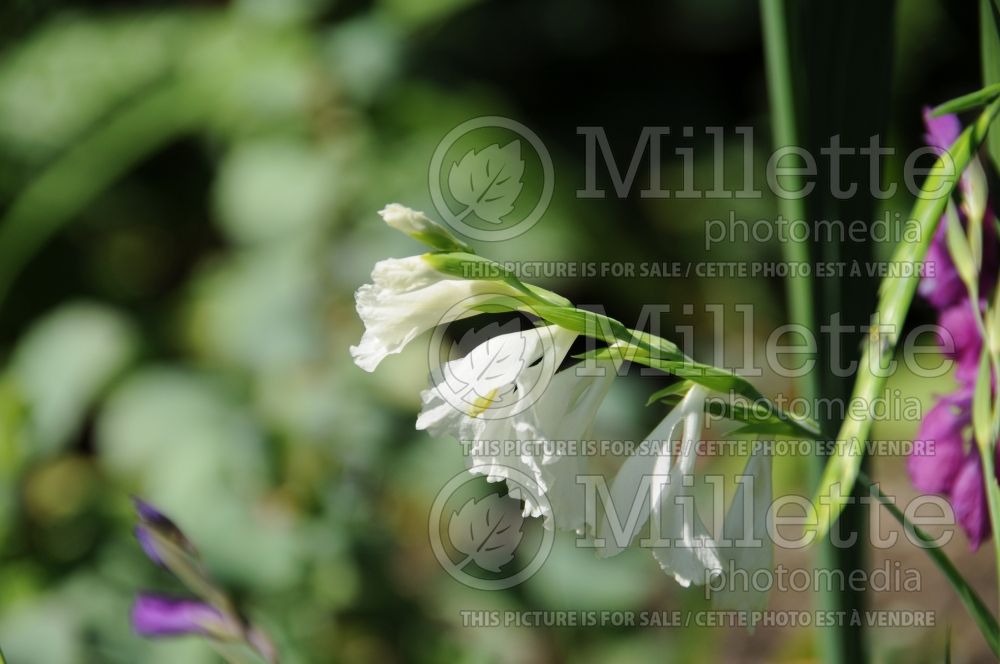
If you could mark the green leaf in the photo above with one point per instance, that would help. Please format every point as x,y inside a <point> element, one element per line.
<point>966,593</point>
<point>86,169</point>
<point>677,389</point>
<point>989,41</point>
<point>896,294</point>
<point>624,344</point>
<point>993,325</point>
<point>967,102</point>
<point>488,182</point>
<point>724,382</point>
<point>469,266</point>
<point>982,406</point>
<point>958,247</point>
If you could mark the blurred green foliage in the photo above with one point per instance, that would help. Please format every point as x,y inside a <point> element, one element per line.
<point>188,194</point>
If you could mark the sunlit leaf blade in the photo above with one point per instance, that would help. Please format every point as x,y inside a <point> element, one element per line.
<point>677,389</point>
<point>966,593</point>
<point>976,99</point>
<point>895,296</point>
<point>774,422</point>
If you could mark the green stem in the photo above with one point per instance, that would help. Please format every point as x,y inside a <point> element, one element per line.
<point>984,439</point>
<point>986,454</point>
<point>799,289</point>
<point>966,593</point>
<point>896,295</point>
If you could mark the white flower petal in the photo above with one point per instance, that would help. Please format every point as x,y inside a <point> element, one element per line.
<point>751,547</point>
<point>652,460</point>
<point>565,414</point>
<point>407,297</point>
<point>474,404</point>
<point>406,220</point>
<point>419,227</point>
<point>691,555</point>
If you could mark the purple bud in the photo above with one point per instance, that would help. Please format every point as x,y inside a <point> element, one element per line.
<point>154,521</point>
<point>147,512</point>
<point>148,545</point>
<point>155,615</point>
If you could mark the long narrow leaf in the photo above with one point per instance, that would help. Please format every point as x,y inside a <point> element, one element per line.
<point>970,598</point>
<point>86,170</point>
<point>976,99</point>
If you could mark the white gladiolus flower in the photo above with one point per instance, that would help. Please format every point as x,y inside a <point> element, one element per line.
<point>749,545</point>
<point>655,483</point>
<point>566,413</point>
<point>407,297</point>
<point>507,402</point>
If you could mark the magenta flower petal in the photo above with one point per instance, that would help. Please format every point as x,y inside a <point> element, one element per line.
<point>941,131</point>
<point>934,468</point>
<point>146,511</point>
<point>942,286</point>
<point>155,615</point>
<point>968,497</point>
<point>959,323</point>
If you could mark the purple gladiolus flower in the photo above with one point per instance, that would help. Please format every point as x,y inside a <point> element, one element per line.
<point>934,468</point>
<point>155,616</point>
<point>942,131</point>
<point>958,322</point>
<point>152,520</point>
<point>951,465</point>
<point>942,286</point>
<point>968,495</point>
<point>216,616</point>
<point>148,545</point>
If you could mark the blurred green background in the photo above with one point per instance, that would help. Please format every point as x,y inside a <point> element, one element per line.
<point>189,195</point>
